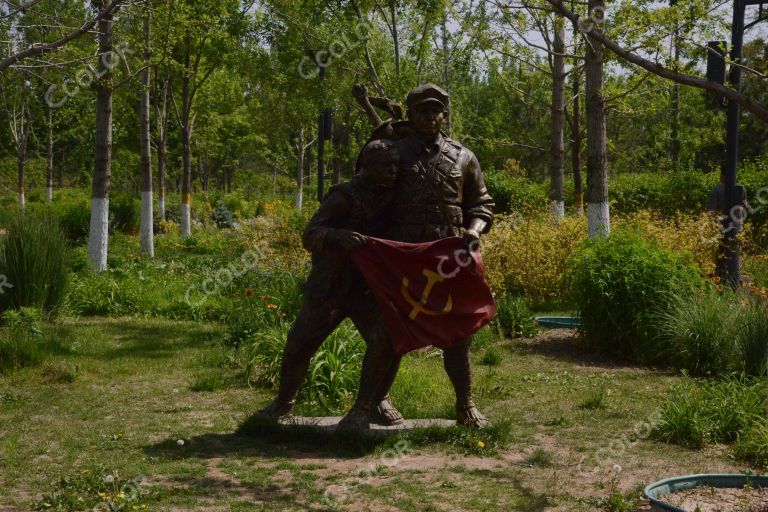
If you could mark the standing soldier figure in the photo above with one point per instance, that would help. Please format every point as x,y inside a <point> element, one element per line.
<point>439,192</point>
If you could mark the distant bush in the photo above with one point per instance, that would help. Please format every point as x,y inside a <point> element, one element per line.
<point>33,263</point>
<point>529,257</point>
<point>125,214</point>
<point>619,284</point>
<point>513,318</point>
<point>516,193</point>
<point>223,217</point>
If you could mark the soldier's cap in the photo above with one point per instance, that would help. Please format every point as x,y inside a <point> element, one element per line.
<point>427,93</point>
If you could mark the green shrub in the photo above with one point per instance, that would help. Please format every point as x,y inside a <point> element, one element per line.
<point>516,193</point>
<point>103,295</point>
<point>75,218</point>
<point>125,214</point>
<point>33,268</point>
<point>619,283</point>
<point>513,318</point>
<point>223,217</point>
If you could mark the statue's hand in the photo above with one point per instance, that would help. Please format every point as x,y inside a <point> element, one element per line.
<point>349,240</point>
<point>471,239</point>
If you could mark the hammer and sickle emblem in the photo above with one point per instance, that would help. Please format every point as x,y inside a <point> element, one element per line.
<point>421,306</point>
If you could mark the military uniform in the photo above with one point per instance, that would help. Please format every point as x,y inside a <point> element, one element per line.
<point>439,190</point>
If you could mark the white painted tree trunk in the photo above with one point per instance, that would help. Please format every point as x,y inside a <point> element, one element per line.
<point>186,219</point>
<point>147,232</point>
<point>557,208</point>
<point>599,219</point>
<point>299,199</point>
<point>49,195</point>
<point>98,240</point>
<point>161,205</point>
<point>22,199</point>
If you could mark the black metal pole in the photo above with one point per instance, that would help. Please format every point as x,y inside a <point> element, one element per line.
<point>730,250</point>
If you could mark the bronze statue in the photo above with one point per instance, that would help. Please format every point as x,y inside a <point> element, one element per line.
<point>335,290</point>
<point>439,192</point>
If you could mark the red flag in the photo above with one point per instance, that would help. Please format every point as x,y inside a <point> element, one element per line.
<point>429,294</point>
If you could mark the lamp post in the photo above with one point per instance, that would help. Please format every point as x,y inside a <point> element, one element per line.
<point>733,193</point>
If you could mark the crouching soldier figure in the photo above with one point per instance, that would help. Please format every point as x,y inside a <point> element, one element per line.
<point>335,289</point>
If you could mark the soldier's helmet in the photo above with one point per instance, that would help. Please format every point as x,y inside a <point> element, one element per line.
<point>427,93</point>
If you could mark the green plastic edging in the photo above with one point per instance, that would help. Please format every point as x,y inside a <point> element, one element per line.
<point>680,483</point>
<point>558,321</point>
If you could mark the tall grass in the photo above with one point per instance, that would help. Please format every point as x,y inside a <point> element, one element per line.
<point>332,379</point>
<point>24,341</point>
<point>716,332</point>
<point>33,259</point>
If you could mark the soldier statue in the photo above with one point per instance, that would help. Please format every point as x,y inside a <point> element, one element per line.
<point>439,192</point>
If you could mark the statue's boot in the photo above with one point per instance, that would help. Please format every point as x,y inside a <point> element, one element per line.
<point>457,363</point>
<point>357,419</point>
<point>386,414</point>
<point>276,410</point>
<point>469,416</point>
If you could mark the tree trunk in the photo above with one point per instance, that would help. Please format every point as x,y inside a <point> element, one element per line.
<point>300,170</point>
<point>186,140</point>
<point>674,142</point>
<point>98,241</point>
<point>147,235</point>
<point>557,137</point>
<point>161,122</point>
<point>395,36</point>
<point>49,167</point>
<point>578,182</point>
<point>598,211</point>
<point>21,158</point>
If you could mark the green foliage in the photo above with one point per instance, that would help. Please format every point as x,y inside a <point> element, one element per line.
<point>125,214</point>
<point>516,193</point>
<point>704,412</point>
<point>596,399</point>
<point>333,373</point>
<point>715,332</point>
<point>513,318</point>
<point>24,341</point>
<point>619,283</point>
<point>223,217</point>
<point>33,263</point>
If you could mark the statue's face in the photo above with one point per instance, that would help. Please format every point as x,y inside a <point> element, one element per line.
<point>382,173</point>
<point>427,119</point>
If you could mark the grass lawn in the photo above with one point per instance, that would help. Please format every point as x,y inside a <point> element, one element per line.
<point>130,391</point>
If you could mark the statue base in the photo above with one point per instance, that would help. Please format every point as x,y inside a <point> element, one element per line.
<point>329,423</point>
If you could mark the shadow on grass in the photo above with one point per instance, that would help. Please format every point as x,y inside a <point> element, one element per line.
<point>139,339</point>
<point>267,439</point>
<point>566,345</point>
